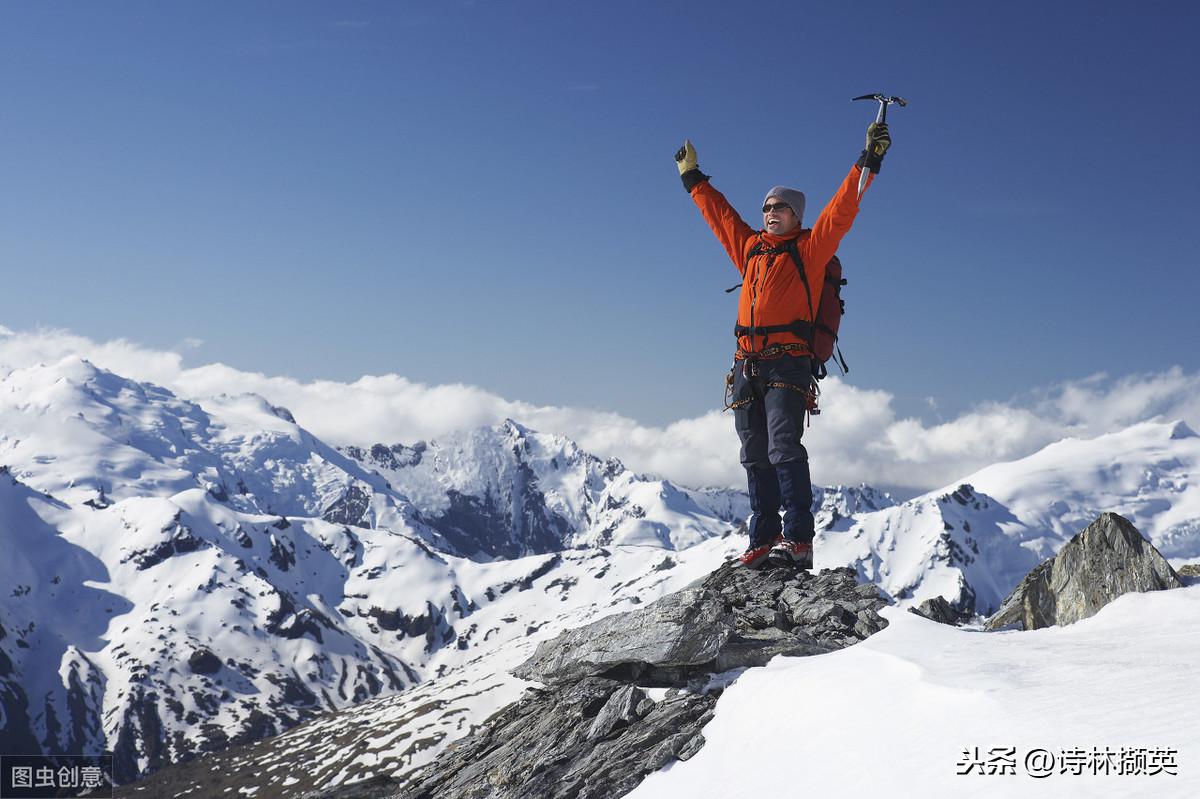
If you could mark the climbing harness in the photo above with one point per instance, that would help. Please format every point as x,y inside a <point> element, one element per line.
<point>749,367</point>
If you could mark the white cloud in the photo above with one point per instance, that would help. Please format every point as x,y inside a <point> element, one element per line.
<point>857,439</point>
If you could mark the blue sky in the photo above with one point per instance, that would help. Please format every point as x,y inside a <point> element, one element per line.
<point>483,192</point>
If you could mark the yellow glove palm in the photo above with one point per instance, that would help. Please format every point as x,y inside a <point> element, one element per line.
<point>878,139</point>
<point>685,159</point>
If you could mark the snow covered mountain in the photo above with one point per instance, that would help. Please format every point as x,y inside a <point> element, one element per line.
<point>973,542</point>
<point>188,574</point>
<point>505,492</point>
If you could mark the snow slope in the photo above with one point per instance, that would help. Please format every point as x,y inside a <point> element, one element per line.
<point>1105,707</point>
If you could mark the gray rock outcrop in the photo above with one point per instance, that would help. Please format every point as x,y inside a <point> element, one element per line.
<point>734,619</point>
<point>1107,559</point>
<point>603,721</point>
<point>940,610</point>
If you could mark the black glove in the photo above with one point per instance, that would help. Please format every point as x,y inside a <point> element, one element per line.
<point>878,141</point>
<point>685,159</point>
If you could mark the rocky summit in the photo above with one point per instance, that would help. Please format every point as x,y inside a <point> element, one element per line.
<point>1107,559</point>
<point>735,618</point>
<point>630,693</point>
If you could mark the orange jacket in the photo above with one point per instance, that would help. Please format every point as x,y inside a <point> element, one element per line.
<point>772,291</point>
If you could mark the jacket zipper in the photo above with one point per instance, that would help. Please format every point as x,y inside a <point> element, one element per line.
<point>755,286</point>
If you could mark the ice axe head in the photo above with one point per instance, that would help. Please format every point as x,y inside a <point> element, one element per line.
<point>884,102</point>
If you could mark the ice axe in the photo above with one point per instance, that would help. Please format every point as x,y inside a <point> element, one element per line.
<point>884,102</point>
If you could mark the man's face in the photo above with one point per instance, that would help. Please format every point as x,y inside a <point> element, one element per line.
<point>778,218</point>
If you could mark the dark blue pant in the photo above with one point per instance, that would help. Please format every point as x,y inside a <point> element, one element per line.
<point>769,415</point>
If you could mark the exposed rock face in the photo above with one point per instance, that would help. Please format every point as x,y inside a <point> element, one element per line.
<point>734,619</point>
<point>589,738</point>
<point>940,610</point>
<point>1109,558</point>
<point>604,721</point>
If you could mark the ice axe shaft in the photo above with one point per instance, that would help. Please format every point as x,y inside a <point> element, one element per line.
<point>884,102</point>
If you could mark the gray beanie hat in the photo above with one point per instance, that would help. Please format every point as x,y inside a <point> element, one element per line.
<point>794,199</point>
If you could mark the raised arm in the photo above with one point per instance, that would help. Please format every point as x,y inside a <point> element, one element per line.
<point>838,215</point>
<point>729,228</point>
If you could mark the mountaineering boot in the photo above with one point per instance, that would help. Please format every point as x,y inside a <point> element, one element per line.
<point>793,552</point>
<point>757,556</point>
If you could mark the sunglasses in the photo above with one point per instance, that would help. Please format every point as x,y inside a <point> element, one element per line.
<point>769,207</point>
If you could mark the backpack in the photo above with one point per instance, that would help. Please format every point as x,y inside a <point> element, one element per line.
<point>821,335</point>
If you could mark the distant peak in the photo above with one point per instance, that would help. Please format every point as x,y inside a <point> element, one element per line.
<point>76,363</point>
<point>1181,430</point>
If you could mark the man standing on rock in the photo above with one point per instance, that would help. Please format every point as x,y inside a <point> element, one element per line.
<point>773,382</point>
